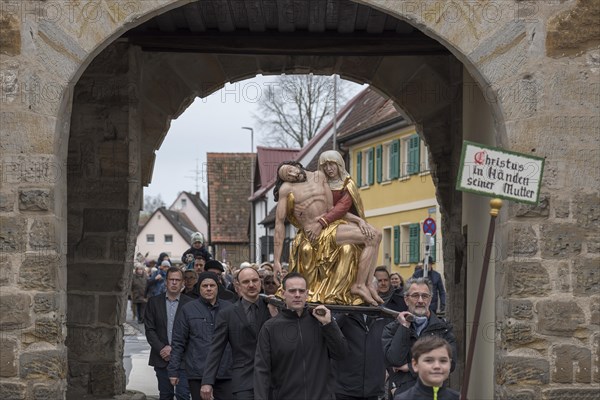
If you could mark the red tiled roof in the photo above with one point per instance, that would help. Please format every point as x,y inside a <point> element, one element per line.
<point>268,159</point>
<point>228,192</point>
<point>369,109</point>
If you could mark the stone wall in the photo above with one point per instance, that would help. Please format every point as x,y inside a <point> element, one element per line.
<point>537,63</point>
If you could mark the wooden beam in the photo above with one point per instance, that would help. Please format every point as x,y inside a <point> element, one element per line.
<point>288,43</point>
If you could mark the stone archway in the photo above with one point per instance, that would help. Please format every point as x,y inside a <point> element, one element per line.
<point>535,63</point>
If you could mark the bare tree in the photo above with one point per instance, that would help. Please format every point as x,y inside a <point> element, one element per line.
<point>295,107</point>
<point>152,203</point>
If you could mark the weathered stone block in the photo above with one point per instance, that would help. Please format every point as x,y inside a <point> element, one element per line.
<point>41,236</point>
<point>595,341</point>
<point>45,330</point>
<point>522,371</point>
<point>542,209</point>
<point>47,364</point>
<point>39,273</point>
<point>96,277</point>
<point>81,309</point>
<point>523,241</point>
<point>587,276</point>
<point>595,311</point>
<point>15,310</point>
<point>520,309</point>
<point>561,241</point>
<point>35,200</point>
<point>107,379</point>
<point>12,234</point>
<point>109,309</point>
<point>527,279</point>
<point>561,208</point>
<point>570,394</point>
<point>88,344</point>
<point>8,360</point>
<point>593,244</point>
<point>46,392</point>
<point>79,377</point>
<point>573,31</point>
<point>515,334</point>
<point>44,303</point>
<point>118,249</point>
<point>7,201</point>
<point>563,283</point>
<point>559,318</point>
<point>104,220</point>
<point>587,211</point>
<point>10,40</point>
<point>515,395</point>
<point>12,391</point>
<point>5,271</point>
<point>91,248</point>
<point>567,357</point>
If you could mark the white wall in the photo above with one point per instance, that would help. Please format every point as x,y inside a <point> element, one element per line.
<point>160,226</point>
<point>191,212</point>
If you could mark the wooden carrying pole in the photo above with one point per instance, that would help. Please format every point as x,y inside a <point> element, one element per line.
<point>496,205</point>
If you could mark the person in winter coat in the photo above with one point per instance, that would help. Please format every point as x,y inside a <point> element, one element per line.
<point>431,357</point>
<point>294,349</point>
<point>192,338</point>
<point>197,250</point>
<point>438,291</point>
<point>138,292</point>
<point>399,335</point>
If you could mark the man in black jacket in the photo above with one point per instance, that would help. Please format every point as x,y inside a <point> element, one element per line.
<point>401,334</point>
<point>361,374</point>
<point>161,312</point>
<point>238,326</point>
<point>295,347</point>
<point>192,338</point>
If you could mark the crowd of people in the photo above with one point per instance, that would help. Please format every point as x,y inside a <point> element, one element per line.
<point>213,336</point>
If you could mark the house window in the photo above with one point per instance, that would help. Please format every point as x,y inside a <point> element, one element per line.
<point>387,159</point>
<point>410,154</point>
<point>424,156</point>
<point>365,167</point>
<point>183,203</point>
<point>404,244</point>
<point>168,238</point>
<point>149,238</point>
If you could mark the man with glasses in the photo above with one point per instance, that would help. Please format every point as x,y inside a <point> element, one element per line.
<point>399,336</point>
<point>161,312</point>
<point>295,348</point>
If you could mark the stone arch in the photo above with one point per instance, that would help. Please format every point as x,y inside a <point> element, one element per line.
<point>101,235</point>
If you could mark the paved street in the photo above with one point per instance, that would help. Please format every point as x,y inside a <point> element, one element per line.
<point>140,376</point>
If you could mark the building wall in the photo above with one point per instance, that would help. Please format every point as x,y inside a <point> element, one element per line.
<point>191,212</point>
<point>399,199</point>
<point>159,226</point>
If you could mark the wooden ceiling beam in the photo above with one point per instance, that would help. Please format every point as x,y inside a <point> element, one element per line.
<point>288,44</point>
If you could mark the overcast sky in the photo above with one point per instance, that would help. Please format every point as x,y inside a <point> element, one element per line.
<point>212,124</point>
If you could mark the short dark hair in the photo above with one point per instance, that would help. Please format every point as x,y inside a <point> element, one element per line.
<point>173,270</point>
<point>425,344</point>
<point>279,181</point>
<point>237,275</point>
<point>292,275</point>
<point>382,268</point>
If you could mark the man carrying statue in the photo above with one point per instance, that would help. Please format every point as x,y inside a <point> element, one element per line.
<point>334,249</point>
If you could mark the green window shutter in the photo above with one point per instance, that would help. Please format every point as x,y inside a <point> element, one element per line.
<point>395,160</point>
<point>359,169</point>
<point>413,155</point>
<point>397,244</point>
<point>413,233</point>
<point>371,174</point>
<point>378,153</point>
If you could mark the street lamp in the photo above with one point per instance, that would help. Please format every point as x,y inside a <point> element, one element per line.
<point>252,227</point>
<point>251,137</point>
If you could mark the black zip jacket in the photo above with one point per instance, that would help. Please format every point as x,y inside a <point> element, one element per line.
<point>293,357</point>
<point>421,392</point>
<point>362,372</point>
<point>397,341</point>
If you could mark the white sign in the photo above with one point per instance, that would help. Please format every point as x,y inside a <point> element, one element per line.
<point>499,173</point>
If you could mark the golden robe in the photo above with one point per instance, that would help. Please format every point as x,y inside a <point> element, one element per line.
<point>330,270</point>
